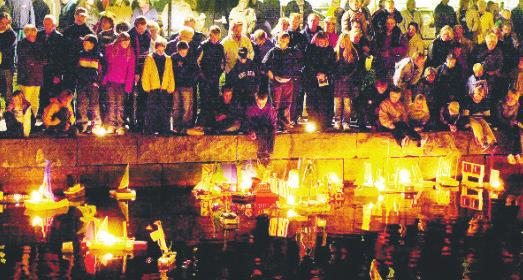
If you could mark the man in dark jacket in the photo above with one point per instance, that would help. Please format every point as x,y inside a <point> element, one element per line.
<point>244,78</point>
<point>73,37</point>
<point>54,47</point>
<point>7,49</point>
<point>379,18</point>
<point>444,15</point>
<point>41,10</point>
<point>31,60</point>
<point>491,56</point>
<point>301,7</point>
<point>67,13</point>
<point>227,114</point>
<point>140,43</point>
<point>212,63</point>
<point>312,27</point>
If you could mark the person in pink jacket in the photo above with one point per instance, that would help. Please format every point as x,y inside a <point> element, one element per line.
<point>118,80</point>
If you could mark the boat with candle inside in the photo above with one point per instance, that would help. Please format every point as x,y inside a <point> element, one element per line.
<point>43,199</point>
<point>100,241</point>
<point>123,192</point>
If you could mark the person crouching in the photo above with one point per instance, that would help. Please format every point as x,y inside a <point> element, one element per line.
<point>58,116</point>
<point>158,84</point>
<point>261,125</point>
<point>393,116</point>
<point>18,116</point>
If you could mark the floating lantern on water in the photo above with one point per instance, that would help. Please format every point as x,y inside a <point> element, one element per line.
<point>123,192</point>
<point>495,184</point>
<point>43,199</point>
<point>100,241</point>
<point>100,131</point>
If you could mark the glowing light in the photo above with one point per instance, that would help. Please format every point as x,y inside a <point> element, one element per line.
<point>495,180</point>
<point>37,222</point>
<point>404,177</point>
<point>310,127</point>
<point>291,213</point>
<point>380,198</point>
<point>106,238</point>
<point>246,179</point>
<point>291,200</point>
<point>106,258</point>
<point>380,184</point>
<point>36,196</point>
<point>322,198</point>
<point>17,197</point>
<point>334,179</point>
<point>100,131</point>
<point>294,179</point>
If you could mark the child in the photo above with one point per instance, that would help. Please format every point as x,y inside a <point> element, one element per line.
<point>18,116</point>
<point>452,118</point>
<point>88,75</point>
<point>261,125</point>
<point>346,78</point>
<point>158,85</point>
<point>119,80</point>
<point>185,73</point>
<point>419,113</point>
<point>476,79</point>
<point>227,113</point>
<point>58,116</point>
<point>370,101</point>
<point>509,120</point>
<point>478,109</point>
<point>393,116</point>
<point>245,79</point>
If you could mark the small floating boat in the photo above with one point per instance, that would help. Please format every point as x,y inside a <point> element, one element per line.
<point>123,192</point>
<point>75,192</point>
<point>43,199</point>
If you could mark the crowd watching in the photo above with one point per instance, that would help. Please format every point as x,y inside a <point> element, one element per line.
<point>99,68</point>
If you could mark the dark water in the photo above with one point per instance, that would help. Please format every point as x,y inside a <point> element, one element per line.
<point>426,236</point>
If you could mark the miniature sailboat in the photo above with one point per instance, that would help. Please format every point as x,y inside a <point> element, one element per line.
<point>123,192</point>
<point>99,240</point>
<point>75,192</point>
<point>168,258</point>
<point>43,199</point>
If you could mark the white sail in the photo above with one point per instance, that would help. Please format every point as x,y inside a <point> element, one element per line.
<point>124,183</point>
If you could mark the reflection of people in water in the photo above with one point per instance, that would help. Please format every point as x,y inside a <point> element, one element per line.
<point>245,14</point>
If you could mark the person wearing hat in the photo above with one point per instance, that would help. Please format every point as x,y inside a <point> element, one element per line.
<point>89,69</point>
<point>244,78</point>
<point>107,35</point>
<point>73,39</point>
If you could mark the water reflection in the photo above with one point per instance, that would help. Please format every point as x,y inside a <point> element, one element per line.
<point>392,236</point>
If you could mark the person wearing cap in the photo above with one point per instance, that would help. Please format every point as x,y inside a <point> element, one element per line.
<point>54,48</point>
<point>107,35</point>
<point>450,82</point>
<point>158,84</point>
<point>244,78</point>
<point>232,44</point>
<point>89,69</point>
<point>185,72</point>
<point>31,60</point>
<point>451,117</point>
<point>73,38</point>
<point>7,49</point>
<point>281,65</point>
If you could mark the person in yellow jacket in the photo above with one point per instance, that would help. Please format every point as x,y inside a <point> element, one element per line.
<point>158,85</point>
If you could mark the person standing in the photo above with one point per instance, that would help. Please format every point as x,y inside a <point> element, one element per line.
<point>41,9</point>
<point>143,8</point>
<point>73,38</point>
<point>444,15</point>
<point>7,49</point>
<point>31,60</point>
<point>411,14</point>
<point>23,13</point>
<point>380,17</point>
<point>53,42</point>
<point>185,72</point>
<point>232,44</point>
<point>517,19</point>
<point>67,14</point>
<point>301,7</point>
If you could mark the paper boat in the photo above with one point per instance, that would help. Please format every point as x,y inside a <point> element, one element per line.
<point>75,192</point>
<point>43,199</point>
<point>100,241</point>
<point>123,192</point>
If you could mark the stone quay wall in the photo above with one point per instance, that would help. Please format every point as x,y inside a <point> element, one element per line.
<point>176,161</point>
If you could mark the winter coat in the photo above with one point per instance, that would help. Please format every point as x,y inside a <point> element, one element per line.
<point>140,45</point>
<point>319,60</point>
<point>449,84</point>
<point>151,79</point>
<point>31,61</point>
<point>391,113</point>
<point>120,66</point>
<point>293,7</point>
<point>438,51</point>
<point>379,19</point>
<point>361,15</point>
<point>409,17</point>
<point>406,73</point>
<point>444,15</point>
<point>211,60</point>
<point>245,76</point>
<point>185,70</point>
<point>282,63</point>
<point>55,51</point>
<point>256,117</point>
<point>22,13</point>
<point>89,68</point>
<point>7,49</point>
<point>231,48</point>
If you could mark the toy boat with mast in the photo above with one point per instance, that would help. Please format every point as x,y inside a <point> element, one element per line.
<point>100,241</point>
<point>123,192</point>
<point>75,192</point>
<point>43,199</point>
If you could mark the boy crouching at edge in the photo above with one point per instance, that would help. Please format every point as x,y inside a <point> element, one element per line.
<point>58,116</point>
<point>261,118</point>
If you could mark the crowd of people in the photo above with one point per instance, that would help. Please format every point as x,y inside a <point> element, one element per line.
<point>354,70</point>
